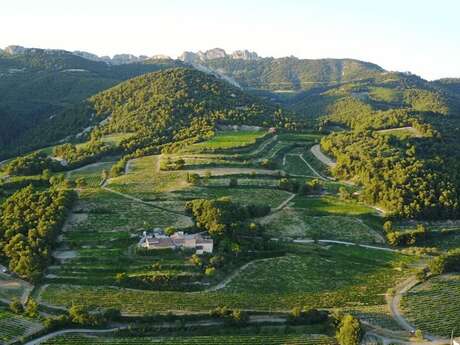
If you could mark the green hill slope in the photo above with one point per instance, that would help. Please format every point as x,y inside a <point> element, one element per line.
<point>37,84</point>
<point>157,108</point>
<point>290,73</point>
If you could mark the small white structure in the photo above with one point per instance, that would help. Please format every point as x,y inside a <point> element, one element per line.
<point>3,269</point>
<point>178,240</point>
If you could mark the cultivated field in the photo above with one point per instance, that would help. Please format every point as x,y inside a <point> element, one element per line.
<point>266,339</point>
<point>359,277</point>
<point>434,306</point>
<point>13,326</point>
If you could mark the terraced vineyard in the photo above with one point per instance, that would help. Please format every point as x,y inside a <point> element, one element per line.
<point>267,339</point>
<point>13,326</point>
<point>434,306</point>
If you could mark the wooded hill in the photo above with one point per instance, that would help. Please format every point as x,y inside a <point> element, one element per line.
<point>291,73</point>
<point>37,84</point>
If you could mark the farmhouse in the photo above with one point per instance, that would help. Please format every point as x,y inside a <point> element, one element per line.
<point>178,240</point>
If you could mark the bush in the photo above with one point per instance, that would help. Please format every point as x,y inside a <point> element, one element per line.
<point>16,306</point>
<point>349,331</point>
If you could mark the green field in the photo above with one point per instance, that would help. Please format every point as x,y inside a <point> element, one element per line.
<point>330,205</point>
<point>228,140</point>
<point>434,306</point>
<point>350,276</point>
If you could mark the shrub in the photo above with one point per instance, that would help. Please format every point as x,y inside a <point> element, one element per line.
<point>349,331</point>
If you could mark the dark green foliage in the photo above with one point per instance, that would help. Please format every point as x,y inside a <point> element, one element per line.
<point>32,164</point>
<point>29,223</point>
<point>289,185</point>
<point>16,306</point>
<point>299,316</point>
<point>218,216</point>
<point>393,176</point>
<point>82,155</point>
<point>176,105</point>
<point>232,316</point>
<point>446,263</point>
<point>407,238</point>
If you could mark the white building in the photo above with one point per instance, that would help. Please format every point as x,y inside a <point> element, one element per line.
<point>177,241</point>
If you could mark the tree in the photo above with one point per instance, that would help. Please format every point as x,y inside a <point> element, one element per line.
<point>80,315</point>
<point>344,193</point>
<point>210,271</point>
<point>350,331</point>
<point>16,306</point>
<point>388,226</point>
<point>170,230</point>
<point>31,308</point>
<point>195,259</point>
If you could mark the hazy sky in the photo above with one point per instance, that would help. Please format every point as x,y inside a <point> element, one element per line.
<point>421,36</point>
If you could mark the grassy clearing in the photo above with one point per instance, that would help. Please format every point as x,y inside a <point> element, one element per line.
<point>261,339</point>
<point>115,139</point>
<point>387,95</point>
<point>13,326</point>
<point>330,205</point>
<point>434,306</point>
<point>334,276</point>
<point>92,174</point>
<point>228,140</point>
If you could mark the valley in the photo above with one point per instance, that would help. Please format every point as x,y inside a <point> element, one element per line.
<point>318,209</point>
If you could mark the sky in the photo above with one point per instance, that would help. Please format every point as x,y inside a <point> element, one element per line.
<point>420,36</point>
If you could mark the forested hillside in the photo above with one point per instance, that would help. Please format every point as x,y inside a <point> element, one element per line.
<point>412,175</point>
<point>37,84</point>
<point>178,104</point>
<point>291,73</point>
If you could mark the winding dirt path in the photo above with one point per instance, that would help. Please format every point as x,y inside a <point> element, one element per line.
<point>316,150</point>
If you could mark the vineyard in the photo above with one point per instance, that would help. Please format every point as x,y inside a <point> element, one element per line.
<point>267,339</point>
<point>13,326</point>
<point>434,306</point>
<point>360,277</point>
<point>296,223</point>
